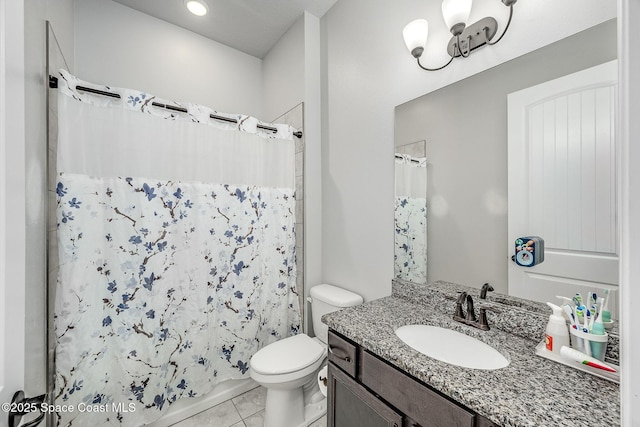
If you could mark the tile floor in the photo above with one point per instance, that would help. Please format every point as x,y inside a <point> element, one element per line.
<point>246,410</point>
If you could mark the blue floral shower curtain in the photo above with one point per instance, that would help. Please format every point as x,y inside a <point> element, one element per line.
<point>410,239</point>
<point>171,276</point>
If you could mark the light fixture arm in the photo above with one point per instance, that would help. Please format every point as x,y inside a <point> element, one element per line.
<point>432,69</point>
<point>486,29</point>
<point>464,55</point>
<point>466,38</point>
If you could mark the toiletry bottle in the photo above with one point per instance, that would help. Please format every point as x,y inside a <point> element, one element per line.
<point>557,333</point>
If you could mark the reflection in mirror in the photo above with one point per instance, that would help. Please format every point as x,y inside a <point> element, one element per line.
<point>466,124</point>
<point>410,251</point>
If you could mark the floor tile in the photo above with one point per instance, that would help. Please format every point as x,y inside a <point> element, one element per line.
<point>322,422</point>
<point>255,420</point>
<point>246,410</point>
<point>250,402</point>
<point>183,423</point>
<point>222,415</point>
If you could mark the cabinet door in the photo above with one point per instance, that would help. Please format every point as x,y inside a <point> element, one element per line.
<point>415,400</point>
<point>351,405</point>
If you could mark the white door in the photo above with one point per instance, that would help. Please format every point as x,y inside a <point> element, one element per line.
<point>562,184</point>
<point>12,212</point>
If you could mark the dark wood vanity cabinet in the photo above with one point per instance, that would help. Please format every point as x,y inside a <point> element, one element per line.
<point>353,405</point>
<point>365,391</point>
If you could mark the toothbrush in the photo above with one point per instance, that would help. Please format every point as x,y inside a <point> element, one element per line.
<point>566,300</point>
<point>580,317</point>
<point>569,312</point>
<point>599,304</point>
<point>606,315</point>
<point>594,316</point>
<point>578,356</point>
<point>577,299</point>
<point>593,297</point>
<point>586,330</point>
<point>587,315</point>
<point>598,326</point>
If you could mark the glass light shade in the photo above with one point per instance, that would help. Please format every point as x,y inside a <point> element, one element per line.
<point>198,8</point>
<point>456,12</point>
<point>415,34</point>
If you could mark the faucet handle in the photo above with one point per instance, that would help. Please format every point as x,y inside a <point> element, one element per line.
<point>482,316</point>
<point>482,320</point>
<point>459,313</point>
<point>488,306</point>
<point>471,314</point>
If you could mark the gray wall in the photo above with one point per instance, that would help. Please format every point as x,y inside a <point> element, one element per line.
<point>465,126</point>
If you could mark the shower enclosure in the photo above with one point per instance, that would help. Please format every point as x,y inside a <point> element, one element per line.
<point>177,229</point>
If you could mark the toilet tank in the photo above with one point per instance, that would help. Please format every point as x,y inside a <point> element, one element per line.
<point>326,299</point>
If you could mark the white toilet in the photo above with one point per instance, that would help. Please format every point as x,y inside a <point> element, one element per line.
<point>288,368</point>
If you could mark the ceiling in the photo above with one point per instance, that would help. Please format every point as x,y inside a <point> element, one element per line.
<point>250,26</point>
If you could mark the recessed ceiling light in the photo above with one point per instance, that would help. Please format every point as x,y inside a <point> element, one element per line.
<point>198,8</point>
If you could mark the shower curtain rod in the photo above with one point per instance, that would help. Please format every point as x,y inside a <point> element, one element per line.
<point>53,83</point>
<point>412,160</point>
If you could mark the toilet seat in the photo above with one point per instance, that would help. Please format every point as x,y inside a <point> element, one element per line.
<point>287,355</point>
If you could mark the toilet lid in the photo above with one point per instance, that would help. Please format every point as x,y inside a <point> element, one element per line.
<point>287,355</point>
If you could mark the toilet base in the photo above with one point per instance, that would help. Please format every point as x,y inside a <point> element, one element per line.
<point>293,400</point>
<point>292,417</point>
<point>314,411</point>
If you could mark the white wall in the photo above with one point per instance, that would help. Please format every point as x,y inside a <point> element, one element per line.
<point>313,151</point>
<point>118,46</point>
<point>12,199</point>
<point>283,73</point>
<point>291,75</point>
<point>23,186</point>
<point>368,71</point>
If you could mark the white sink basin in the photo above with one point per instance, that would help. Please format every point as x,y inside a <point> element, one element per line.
<point>451,347</point>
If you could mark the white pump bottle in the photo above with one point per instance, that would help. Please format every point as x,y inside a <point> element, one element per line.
<point>557,333</point>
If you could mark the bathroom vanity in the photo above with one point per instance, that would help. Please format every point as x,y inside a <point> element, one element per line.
<point>375,379</point>
<point>364,391</point>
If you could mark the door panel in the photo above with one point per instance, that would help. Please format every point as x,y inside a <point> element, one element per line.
<point>562,184</point>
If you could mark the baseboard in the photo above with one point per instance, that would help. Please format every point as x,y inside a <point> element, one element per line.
<point>185,408</point>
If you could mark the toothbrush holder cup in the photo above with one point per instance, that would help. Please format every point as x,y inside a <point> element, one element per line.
<point>590,344</point>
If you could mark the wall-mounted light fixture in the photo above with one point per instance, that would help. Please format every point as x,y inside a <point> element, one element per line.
<point>466,38</point>
<point>197,7</point>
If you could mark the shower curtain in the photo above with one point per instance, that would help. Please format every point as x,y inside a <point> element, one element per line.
<point>410,252</point>
<point>176,246</point>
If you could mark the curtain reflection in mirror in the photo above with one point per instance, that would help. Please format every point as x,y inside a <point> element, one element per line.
<point>410,238</point>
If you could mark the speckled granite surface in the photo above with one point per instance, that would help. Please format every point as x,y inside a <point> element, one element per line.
<point>531,391</point>
<point>517,316</point>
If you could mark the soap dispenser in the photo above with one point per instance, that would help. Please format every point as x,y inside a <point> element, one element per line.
<point>557,333</point>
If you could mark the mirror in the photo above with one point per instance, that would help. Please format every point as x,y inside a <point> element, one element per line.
<point>465,129</point>
<point>410,213</point>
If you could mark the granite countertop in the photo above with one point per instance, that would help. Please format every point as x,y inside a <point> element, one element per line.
<point>530,391</point>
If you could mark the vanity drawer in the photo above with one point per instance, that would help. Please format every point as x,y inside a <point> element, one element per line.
<point>343,353</point>
<point>417,401</point>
